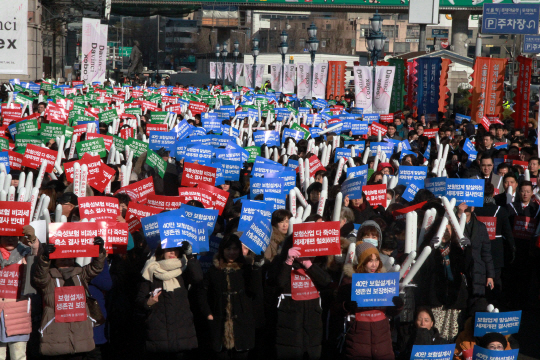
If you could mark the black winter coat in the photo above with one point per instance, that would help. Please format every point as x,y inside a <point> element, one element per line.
<point>299,324</point>
<point>227,293</point>
<point>503,246</point>
<point>421,337</point>
<point>482,266</point>
<point>169,322</point>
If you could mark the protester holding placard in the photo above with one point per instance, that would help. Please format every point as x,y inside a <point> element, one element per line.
<point>423,333</point>
<point>280,227</point>
<point>163,295</point>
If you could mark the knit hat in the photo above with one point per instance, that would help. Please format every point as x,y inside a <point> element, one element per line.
<point>491,337</point>
<point>365,250</point>
<point>385,165</point>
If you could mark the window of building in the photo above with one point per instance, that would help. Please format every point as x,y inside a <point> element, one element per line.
<point>402,47</point>
<point>388,31</point>
<point>413,31</point>
<point>303,25</point>
<point>469,34</point>
<point>302,43</point>
<point>495,51</point>
<point>291,44</point>
<point>323,43</point>
<point>339,42</point>
<point>328,26</point>
<point>386,47</point>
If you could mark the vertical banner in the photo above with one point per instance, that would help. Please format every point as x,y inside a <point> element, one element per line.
<point>275,79</point>
<point>213,70</point>
<point>335,84</point>
<point>219,70</point>
<point>102,53</point>
<point>487,87</point>
<point>320,75</point>
<point>398,89</point>
<point>410,81</point>
<point>443,85</point>
<point>239,68</point>
<point>428,74</point>
<point>384,81</point>
<point>288,78</point>
<point>259,75</point>
<point>90,52</point>
<point>521,108</point>
<point>13,32</point>
<point>363,88</point>
<point>248,75</point>
<point>303,80</point>
<point>229,67</point>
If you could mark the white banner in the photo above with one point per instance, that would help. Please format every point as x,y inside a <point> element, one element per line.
<point>219,70</point>
<point>383,86</point>
<point>212,70</point>
<point>90,52</point>
<point>239,68</point>
<point>275,80</point>
<point>303,80</point>
<point>248,75</point>
<point>102,58</point>
<point>363,88</point>
<point>229,68</point>
<point>320,75</point>
<point>259,75</point>
<point>288,78</point>
<point>13,32</point>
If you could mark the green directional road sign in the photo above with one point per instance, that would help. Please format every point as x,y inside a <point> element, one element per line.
<point>124,51</point>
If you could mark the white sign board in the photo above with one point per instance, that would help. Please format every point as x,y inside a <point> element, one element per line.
<point>90,50</point>
<point>424,12</point>
<point>13,37</point>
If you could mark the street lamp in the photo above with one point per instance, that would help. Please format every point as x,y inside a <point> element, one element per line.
<point>283,48</point>
<point>375,44</point>
<point>255,53</point>
<point>224,53</point>
<point>217,53</point>
<point>313,45</point>
<point>235,54</point>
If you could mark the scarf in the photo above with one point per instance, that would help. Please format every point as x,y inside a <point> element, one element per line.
<point>445,253</point>
<point>165,270</point>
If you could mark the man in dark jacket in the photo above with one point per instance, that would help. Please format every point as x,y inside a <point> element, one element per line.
<point>486,169</point>
<point>482,272</point>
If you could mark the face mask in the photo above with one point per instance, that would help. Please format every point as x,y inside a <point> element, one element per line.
<point>373,242</point>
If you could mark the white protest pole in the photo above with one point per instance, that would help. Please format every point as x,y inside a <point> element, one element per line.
<point>300,197</point>
<point>292,203</point>
<point>325,184</point>
<point>377,157</point>
<point>41,174</point>
<point>440,231</point>
<point>429,217</point>
<point>393,182</point>
<point>509,195</point>
<point>331,129</point>
<point>11,193</point>
<point>7,183</point>
<point>339,170</point>
<point>36,209</point>
<point>58,212</point>
<point>122,174</point>
<point>462,222</point>
<point>379,137</point>
<point>60,151</point>
<point>408,261</point>
<point>337,207</point>
<point>419,262</point>
<point>307,212</point>
<point>44,206</point>
<point>117,157</point>
<point>437,140</point>
<point>276,155</point>
<point>306,170</point>
<point>266,152</point>
<point>2,180</point>
<point>292,221</point>
<point>77,178</point>
<point>411,227</point>
<point>399,147</point>
<point>385,180</point>
<point>3,195</point>
<point>322,203</point>
<point>112,151</point>
<point>3,168</point>
<point>383,157</point>
<point>84,179</point>
<point>453,220</point>
<point>299,214</point>
<point>527,175</point>
<point>440,150</point>
<point>323,156</point>
<point>435,166</point>
<point>452,203</point>
<point>28,186</point>
<point>328,153</point>
<point>366,155</point>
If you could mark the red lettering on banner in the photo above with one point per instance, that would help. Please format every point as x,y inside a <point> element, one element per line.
<point>155,127</point>
<point>76,239</point>
<point>69,304</point>
<point>317,239</point>
<point>195,174</point>
<point>376,194</point>
<point>136,212</point>
<point>164,202</point>
<point>9,281</point>
<point>138,191</point>
<point>491,225</point>
<point>302,288</point>
<point>198,194</point>
<point>99,208</point>
<point>13,216</point>
<point>387,118</point>
<point>220,197</point>
<point>34,155</point>
<point>315,165</point>
<point>15,160</point>
<point>117,237</point>
<point>524,227</point>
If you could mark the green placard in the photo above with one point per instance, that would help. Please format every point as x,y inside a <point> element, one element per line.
<point>18,88</point>
<point>78,108</point>
<point>293,110</point>
<point>52,130</point>
<point>22,140</point>
<point>22,99</point>
<point>137,146</point>
<point>154,98</point>
<point>94,146</point>
<point>118,142</point>
<point>46,87</point>
<point>133,111</point>
<point>254,151</point>
<point>108,116</point>
<point>155,161</point>
<point>55,92</point>
<point>4,144</point>
<point>369,173</point>
<point>27,126</point>
<point>209,100</point>
<point>76,118</point>
<point>158,117</point>
<point>260,101</point>
<point>295,126</point>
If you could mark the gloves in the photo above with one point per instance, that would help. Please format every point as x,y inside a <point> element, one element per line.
<point>258,261</point>
<point>306,262</point>
<point>435,242</point>
<point>350,306</point>
<point>30,233</point>
<point>292,254</point>
<point>47,250</point>
<point>99,241</point>
<point>398,302</point>
<point>464,241</point>
<point>187,248</point>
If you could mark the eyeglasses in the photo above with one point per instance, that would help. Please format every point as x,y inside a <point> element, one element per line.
<point>497,346</point>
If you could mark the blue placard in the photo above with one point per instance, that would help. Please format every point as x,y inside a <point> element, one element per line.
<point>357,111</point>
<point>360,146</point>
<point>314,131</point>
<point>288,176</point>
<point>357,127</point>
<point>293,164</point>
<point>433,352</point>
<point>408,174</point>
<point>282,113</point>
<point>212,123</point>
<point>480,353</point>
<point>427,153</point>
<point>374,289</point>
<point>249,209</point>
<point>150,229</point>
<point>231,169</point>
<point>344,153</point>
<point>460,117</point>
<point>319,103</point>
<point>227,108</point>
<point>226,129</point>
<point>371,118</point>
<point>183,129</point>
<point>207,216</point>
<point>198,131</point>
<point>220,180</point>
<point>412,189</point>
<point>263,185</point>
<point>201,153</point>
<point>510,19</point>
<point>501,146</point>
<point>275,201</point>
<point>531,44</point>
<point>436,185</point>
<point>469,148</point>
<point>353,188</point>
<point>469,191</point>
<point>256,236</point>
<point>295,134</point>
<point>505,323</point>
<point>358,171</point>
<point>260,170</point>
<point>268,137</point>
<point>174,230</point>
<point>160,139</point>
<point>4,159</point>
<point>406,152</point>
<point>387,148</point>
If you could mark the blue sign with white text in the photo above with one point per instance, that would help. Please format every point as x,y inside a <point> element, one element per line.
<point>433,352</point>
<point>469,191</point>
<point>505,323</point>
<point>510,18</point>
<point>376,289</point>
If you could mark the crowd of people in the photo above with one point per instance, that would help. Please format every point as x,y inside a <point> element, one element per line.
<point>173,303</point>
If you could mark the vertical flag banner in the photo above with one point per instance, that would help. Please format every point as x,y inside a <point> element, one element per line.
<point>363,88</point>
<point>229,67</point>
<point>398,89</point>
<point>288,78</point>
<point>320,75</point>
<point>487,87</point>
<point>248,74</point>
<point>90,49</point>
<point>259,74</point>
<point>336,78</point>
<point>219,70</point>
<point>239,68</point>
<point>428,75</point>
<point>14,57</point>
<point>410,81</point>
<point>303,80</point>
<point>102,53</point>
<point>213,69</point>
<point>443,85</point>
<point>275,79</point>
<point>521,109</point>
<point>383,85</point>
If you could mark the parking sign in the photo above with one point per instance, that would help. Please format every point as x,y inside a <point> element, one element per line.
<point>510,19</point>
